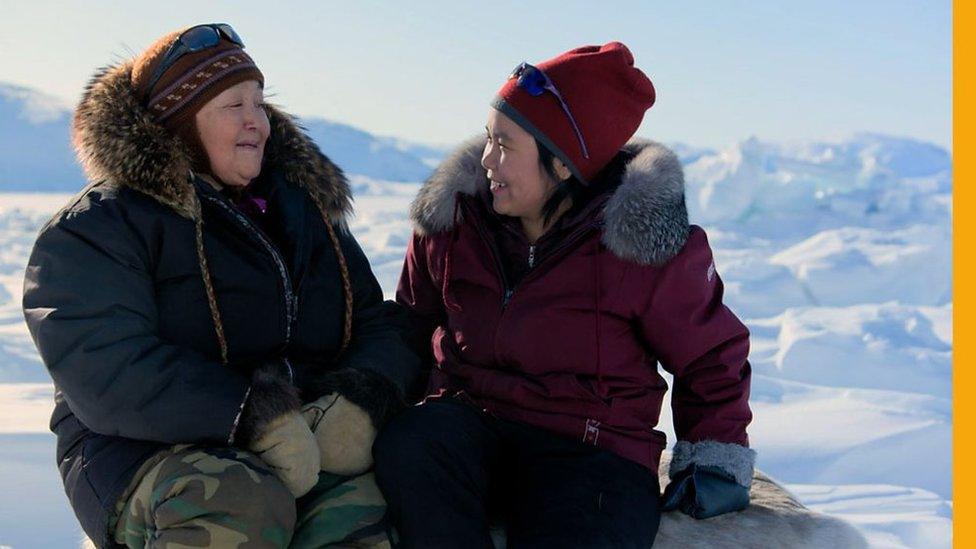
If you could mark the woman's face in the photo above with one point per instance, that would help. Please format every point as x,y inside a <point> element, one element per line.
<point>519,184</point>
<point>233,128</point>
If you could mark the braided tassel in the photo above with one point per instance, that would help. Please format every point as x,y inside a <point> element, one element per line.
<point>211,294</point>
<point>343,271</point>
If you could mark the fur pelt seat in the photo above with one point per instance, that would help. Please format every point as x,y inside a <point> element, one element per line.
<point>774,518</point>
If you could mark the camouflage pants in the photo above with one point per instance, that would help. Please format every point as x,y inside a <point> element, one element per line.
<point>196,496</point>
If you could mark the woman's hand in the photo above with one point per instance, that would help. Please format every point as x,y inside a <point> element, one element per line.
<point>272,427</point>
<point>343,432</point>
<point>703,492</point>
<point>287,445</point>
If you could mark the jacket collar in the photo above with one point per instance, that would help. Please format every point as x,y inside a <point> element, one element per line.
<point>117,140</point>
<point>645,218</point>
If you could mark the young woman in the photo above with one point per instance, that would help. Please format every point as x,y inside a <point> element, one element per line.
<point>551,269</point>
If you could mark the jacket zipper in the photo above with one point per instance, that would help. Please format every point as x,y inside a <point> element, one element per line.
<point>509,291</point>
<point>533,262</point>
<point>291,302</point>
<point>506,290</point>
<point>567,243</point>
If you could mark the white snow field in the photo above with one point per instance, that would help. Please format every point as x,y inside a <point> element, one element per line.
<point>836,255</point>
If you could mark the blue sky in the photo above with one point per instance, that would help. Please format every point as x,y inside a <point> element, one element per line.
<point>425,71</point>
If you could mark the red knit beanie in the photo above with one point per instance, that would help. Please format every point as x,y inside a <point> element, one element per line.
<point>605,93</point>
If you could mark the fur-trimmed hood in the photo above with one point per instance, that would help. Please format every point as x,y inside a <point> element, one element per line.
<point>116,139</point>
<point>645,219</point>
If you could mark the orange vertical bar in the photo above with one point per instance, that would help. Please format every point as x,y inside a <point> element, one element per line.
<point>964,389</point>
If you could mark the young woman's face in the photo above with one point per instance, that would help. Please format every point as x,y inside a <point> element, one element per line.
<point>233,128</point>
<point>519,184</point>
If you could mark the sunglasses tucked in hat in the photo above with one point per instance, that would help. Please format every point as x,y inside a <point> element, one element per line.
<point>582,105</point>
<point>179,73</point>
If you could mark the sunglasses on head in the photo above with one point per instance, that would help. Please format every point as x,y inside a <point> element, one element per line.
<point>535,83</point>
<point>192,40</point>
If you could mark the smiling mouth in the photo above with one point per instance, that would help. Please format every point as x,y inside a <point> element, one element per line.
<point>495,185</point>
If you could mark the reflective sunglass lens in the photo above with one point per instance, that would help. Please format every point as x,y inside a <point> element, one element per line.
<point>230,34</point>
<point>533,82</point>
<point>198,38</point>
<point>517,71</point>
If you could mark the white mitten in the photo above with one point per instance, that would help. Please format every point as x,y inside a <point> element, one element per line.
<point>287,445</point>
<point>344,433</point>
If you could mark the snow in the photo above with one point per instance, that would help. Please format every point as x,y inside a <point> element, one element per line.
<point>893,517</point>
<point>884,346</point>
<point>836,255</point>
<point>792,192</point>
<point>852,265</point>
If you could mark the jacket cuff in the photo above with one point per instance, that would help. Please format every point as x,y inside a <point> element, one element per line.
<point>375,394</point>
<point>271,395</point>
<point>736,460</point>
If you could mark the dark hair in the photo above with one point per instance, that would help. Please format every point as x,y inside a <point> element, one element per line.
<point>607,179</point>
<point>571,188</point>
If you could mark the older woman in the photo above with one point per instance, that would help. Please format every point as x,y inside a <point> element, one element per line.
<point>552,268</point>
<point>218,343</point>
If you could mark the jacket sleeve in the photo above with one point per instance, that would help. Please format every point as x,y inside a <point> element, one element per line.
<point>378,371</point>
<point>705,347</point>
<point>90,307</point>
<point>421,297</point>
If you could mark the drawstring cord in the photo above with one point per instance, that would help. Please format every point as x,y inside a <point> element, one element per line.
<point>343,273</point>
<point>211,294</point>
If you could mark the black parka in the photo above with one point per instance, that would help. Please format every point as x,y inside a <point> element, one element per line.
<point>151,297</point>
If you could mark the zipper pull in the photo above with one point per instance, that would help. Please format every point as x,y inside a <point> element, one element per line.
<point>531,256</point>
<point>508,297</point>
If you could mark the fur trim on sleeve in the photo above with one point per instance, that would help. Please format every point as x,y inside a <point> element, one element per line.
<point>375,394</point>
<point>734,459</point>
<point>271,395</point>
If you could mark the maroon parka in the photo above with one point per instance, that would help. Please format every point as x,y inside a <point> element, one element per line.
<point>573,347</point>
